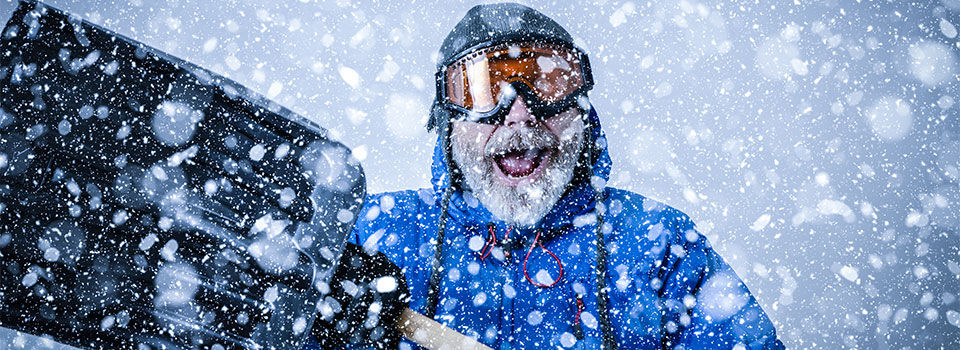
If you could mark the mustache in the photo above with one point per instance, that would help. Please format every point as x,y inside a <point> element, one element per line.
<point>510,139</point>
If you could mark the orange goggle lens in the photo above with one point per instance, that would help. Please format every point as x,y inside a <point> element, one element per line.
<point>476,81</point>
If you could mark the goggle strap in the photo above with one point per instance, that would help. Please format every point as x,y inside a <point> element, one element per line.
<point>538,108</point>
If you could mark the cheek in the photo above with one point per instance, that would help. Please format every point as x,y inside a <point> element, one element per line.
<point>471,136</point>
<point>567,125</point>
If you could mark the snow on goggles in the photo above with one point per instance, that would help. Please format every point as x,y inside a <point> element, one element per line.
<point>482,84</point>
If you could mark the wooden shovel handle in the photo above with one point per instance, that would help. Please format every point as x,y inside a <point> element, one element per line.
<point>433,335</point>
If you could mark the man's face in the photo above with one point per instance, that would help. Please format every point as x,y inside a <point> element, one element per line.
<point>519,169</point>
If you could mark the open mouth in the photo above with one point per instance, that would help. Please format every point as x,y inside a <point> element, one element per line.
<point>520,163</point>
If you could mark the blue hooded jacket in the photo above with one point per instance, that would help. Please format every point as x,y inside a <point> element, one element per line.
<point>667,287</point>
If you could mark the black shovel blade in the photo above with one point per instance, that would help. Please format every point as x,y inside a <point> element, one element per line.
<point>147,202</point>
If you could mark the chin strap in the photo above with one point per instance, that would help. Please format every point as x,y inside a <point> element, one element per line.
<point>433,293</point>
<point>609,341</point>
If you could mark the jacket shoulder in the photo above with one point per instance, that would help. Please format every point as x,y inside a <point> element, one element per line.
<point>394,205</point>
<point>397,212</point>
<point>633,205</point>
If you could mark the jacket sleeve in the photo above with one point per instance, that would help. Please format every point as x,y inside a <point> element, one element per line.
<point>706,305</point>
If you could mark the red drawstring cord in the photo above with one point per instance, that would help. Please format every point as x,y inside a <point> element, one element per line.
<point>491,242</point>
<point>536,242</point>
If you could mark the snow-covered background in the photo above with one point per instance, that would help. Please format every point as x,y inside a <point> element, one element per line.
<point>815,142</point>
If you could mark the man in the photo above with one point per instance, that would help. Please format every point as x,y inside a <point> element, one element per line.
<point>520,244</point>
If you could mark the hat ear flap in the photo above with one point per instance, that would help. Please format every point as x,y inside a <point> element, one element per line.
<point>437,113</point>
<point>440,121</point>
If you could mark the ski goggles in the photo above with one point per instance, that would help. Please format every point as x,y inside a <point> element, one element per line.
<point>482,84</point>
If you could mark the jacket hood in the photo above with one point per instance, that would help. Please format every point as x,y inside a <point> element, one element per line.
<point>578,199</point>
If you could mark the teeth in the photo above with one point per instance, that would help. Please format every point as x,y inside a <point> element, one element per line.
<point>531,153</point>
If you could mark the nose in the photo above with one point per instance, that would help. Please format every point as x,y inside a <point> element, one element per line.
<point>519,115</point>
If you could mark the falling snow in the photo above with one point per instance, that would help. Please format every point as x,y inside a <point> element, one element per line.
<point>816,146</point>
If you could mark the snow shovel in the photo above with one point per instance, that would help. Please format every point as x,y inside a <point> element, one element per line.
<point>148,203</point>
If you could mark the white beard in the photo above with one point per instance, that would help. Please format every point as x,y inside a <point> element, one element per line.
<point>524,204</point>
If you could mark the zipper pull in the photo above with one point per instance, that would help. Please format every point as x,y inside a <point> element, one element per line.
<point>577,328</point>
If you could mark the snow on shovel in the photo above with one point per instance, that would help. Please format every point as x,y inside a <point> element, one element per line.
<point>145,201</point>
